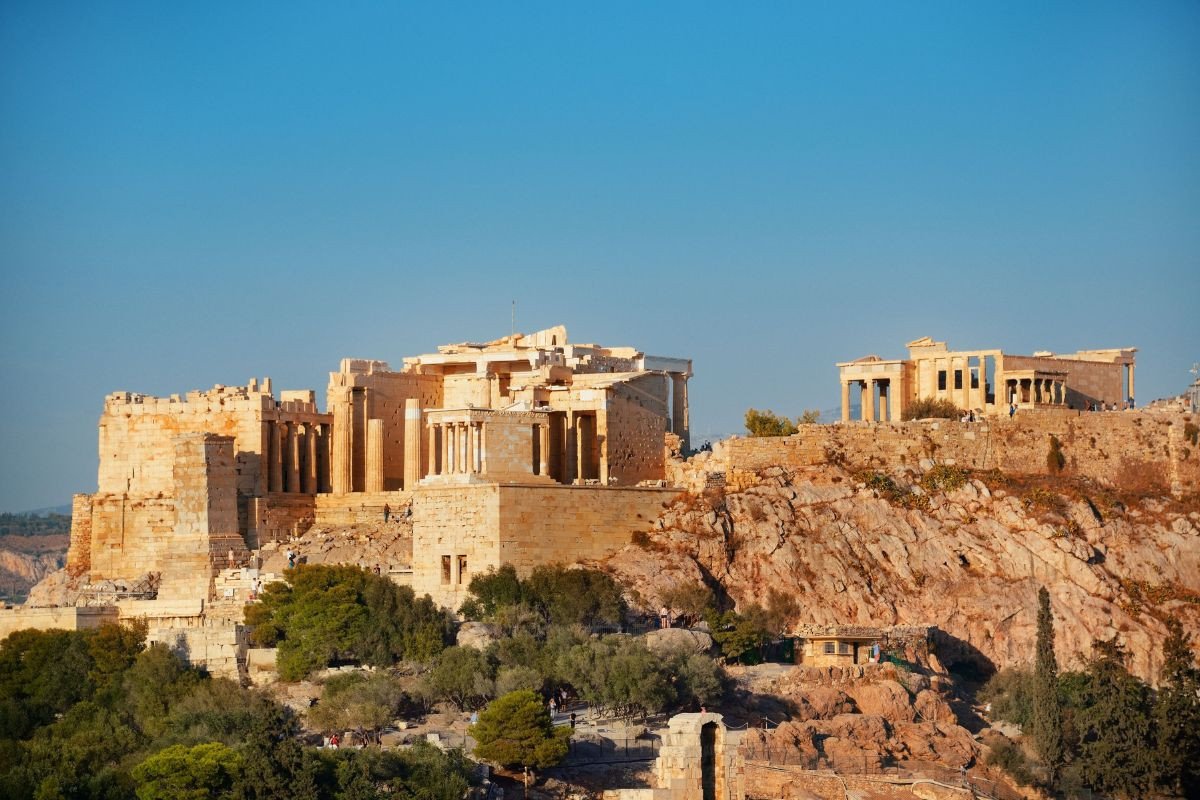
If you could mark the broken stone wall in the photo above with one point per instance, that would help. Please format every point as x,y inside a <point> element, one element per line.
<point>1098,445</point>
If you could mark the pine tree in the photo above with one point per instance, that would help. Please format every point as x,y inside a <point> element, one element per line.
<point>1116,751</point>
<point>1177,716</point>
<point>1047,714</point>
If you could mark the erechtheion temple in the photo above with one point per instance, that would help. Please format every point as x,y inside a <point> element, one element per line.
<point>525,450</point>
<point>986,381</point>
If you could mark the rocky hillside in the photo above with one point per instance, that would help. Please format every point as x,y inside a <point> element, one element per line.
<point>964,552</point>
<point>25,560</point>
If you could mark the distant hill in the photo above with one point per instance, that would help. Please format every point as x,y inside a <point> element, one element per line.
<point>64,509</point>
<point>33,523</point>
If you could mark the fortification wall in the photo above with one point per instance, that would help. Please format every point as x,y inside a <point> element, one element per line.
<point>490,524</point>
<point>1102,446</point>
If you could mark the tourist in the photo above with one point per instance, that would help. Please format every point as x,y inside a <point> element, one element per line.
<point>664,617</point>
<point>387,512</point>
<point>1012,410</point>
<point>376,569</point>
<point>232,559</point>
<point>971,416</point>
<point>291,559</point>
<point>553,707</point>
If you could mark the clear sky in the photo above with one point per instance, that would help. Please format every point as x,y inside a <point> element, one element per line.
<point>197,193</point>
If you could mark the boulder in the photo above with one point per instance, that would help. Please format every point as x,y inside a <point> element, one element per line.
<point>673,640</point>
<point>886,698</point>
<point>477,634</point>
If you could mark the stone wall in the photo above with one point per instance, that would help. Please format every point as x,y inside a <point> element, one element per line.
<point>129,535</point>
<point>333,510</point>
<point>79,550</point>
<point>769,782</point>
<point>1087,381</point>
<point>491,524</point>
<point>635,429</point>
<point>70,619</point>
<point>279,517</point>
<point>1101,446</point>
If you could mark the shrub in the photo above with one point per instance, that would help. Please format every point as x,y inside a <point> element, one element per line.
<point>1191,433</point>
<point>931,408</point>
<point>945,478</point>
<point>767,423</point>
<point>1010,692</point>
<point>1055,460</point>
<point>1008,756</point>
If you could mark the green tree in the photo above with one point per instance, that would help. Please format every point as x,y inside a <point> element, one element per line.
<point>811,416</point>
<point>1046,725</point>
<point>492,590</point>
<point>341,612</point>
<point>1115,754</point>
<point>357,702</point>
<point>462,676</point>
<point>574,596</point>
<point>767,423</point>
<point>1177,715</point>
<point>516,731</point>
<point>188,773</point>
<point>688,601</point>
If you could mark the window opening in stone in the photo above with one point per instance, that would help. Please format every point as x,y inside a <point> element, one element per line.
<point>462,569</point>
<point>445,569</point>
<point>941,380</point>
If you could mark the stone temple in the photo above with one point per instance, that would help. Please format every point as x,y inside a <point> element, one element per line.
<point>526,450</point>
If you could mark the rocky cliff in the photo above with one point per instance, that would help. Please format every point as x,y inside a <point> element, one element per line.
<point>963,551</point>
<point>25,560</point>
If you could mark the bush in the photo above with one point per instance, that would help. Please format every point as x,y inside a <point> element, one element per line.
<point>1010,691</point>
<point>931,408</point>
<point>944,478</point>
<point>1055,460</point>
<point>767,423</point>
<point>1008,756</point>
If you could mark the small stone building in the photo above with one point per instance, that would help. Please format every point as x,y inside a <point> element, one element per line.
<point>838,646</point>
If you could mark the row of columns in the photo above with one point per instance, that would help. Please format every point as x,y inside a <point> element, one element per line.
<point>890,403</point>
<point>297,457</point>
<point>462,448</point>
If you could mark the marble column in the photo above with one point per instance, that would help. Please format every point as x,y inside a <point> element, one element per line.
<point>469,446</point>
<point>412,443</point>
<point>680,424</point>
<point>342,436</point>
<point>845,401</point>
<point>544,449</point>
<point>374,473</point>
<point>275,459</point>
<point>1131,394</point>
<point>293,454</point>
<point>570,439</point>
<point>434,453</point>
<point>869,408</point>
<point>309,481</point>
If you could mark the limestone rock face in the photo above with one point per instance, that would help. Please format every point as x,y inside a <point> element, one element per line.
<point>860,723</point>
<point>970,562</point>
<point>673,640</point>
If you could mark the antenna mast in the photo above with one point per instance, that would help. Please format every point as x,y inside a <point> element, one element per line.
<point>512,333</point>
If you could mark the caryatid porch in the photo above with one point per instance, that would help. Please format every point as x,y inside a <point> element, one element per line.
<point>1035,387</point>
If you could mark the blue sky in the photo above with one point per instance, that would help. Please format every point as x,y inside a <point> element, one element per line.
<point>195,193</point>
